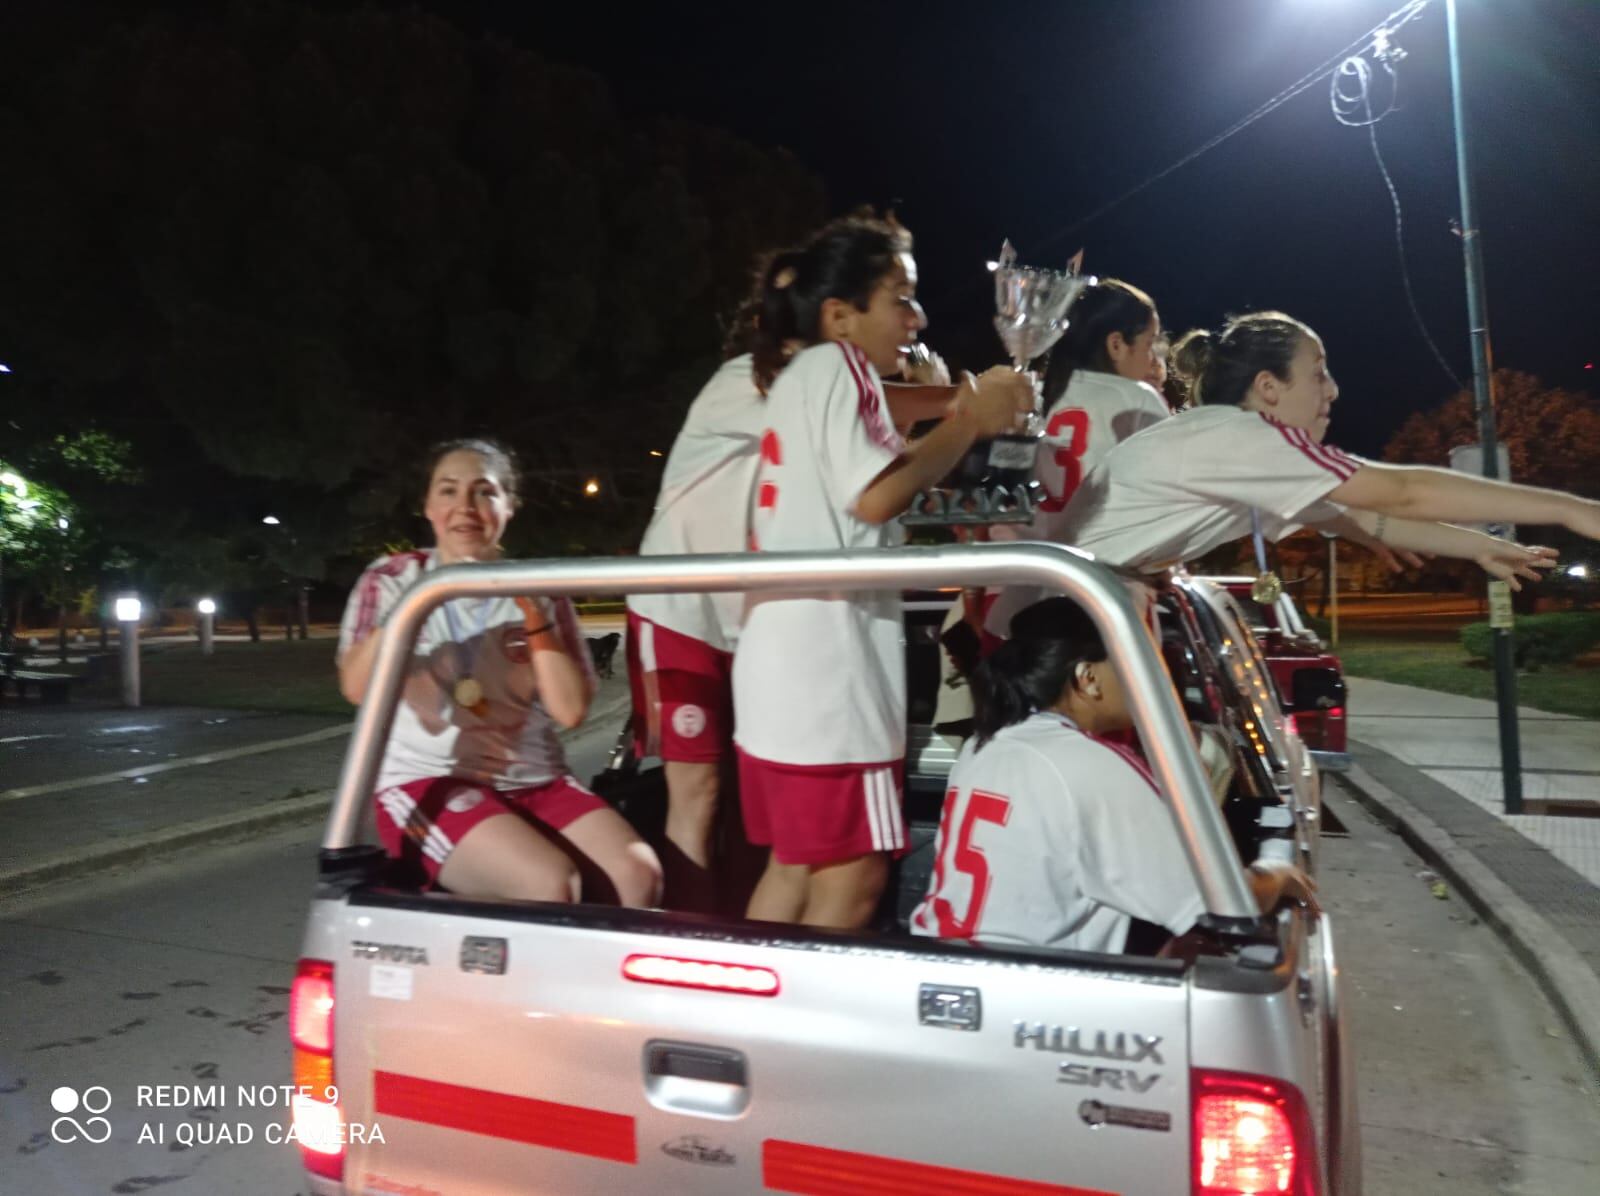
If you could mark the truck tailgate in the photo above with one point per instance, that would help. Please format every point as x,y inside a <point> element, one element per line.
<point>503,1049</point>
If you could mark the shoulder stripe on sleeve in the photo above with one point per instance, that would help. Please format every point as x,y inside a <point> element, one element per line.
<point>1336,461</point>
<point>868,401</point>
<point>390,566</point>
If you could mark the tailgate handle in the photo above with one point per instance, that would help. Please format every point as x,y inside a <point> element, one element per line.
<point>717,1065</point>
<point>685,1077</point>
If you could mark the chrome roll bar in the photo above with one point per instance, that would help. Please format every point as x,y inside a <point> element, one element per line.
<point>1163,730</point>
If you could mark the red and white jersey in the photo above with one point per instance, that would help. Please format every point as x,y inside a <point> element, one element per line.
<point>704,505</point>
<point>820,678</point>
<point>1053,838</point>
<point>512,743</point>
<point>1094,414</point>
<point>1188,484</point>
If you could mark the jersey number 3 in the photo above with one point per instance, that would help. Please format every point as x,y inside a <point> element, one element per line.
<point>1075,422</point>
<point>960,853</point>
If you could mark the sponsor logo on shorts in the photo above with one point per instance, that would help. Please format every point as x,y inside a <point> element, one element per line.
<point>467,799</point>
<point>688,721</point>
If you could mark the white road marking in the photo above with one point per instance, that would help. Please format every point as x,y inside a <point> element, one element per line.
<point>148,770</point>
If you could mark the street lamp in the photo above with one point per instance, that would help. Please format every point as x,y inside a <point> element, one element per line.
<point>129,611</point>
<point>271,520</point>
<point>591,487</point>
<point>208,610</point>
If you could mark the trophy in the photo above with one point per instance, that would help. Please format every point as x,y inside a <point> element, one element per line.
<point>994,482</point>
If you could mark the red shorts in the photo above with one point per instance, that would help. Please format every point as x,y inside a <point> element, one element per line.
<point>682,694</point>
<point>423,821</point>
<point>819,814</point>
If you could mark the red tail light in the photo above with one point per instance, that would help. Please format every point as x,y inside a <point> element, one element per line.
<point>1336,712</point>
<point>700,973</point>
<point>1252,1137</point>
<point>318,1123</point>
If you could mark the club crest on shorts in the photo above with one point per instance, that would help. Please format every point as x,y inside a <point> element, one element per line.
<point>688,721</point>
<point>466,800</point>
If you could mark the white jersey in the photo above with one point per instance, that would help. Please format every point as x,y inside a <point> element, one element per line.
<point>1053,838</point>
<point>820,678</point>
<point>508,744</point>
<point>1189,484</point>
<point>1094,414</point>
<point>704,505</point>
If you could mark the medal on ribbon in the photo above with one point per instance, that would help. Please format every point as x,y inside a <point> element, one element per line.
<point>467,692</point>
<point>1268,586</point>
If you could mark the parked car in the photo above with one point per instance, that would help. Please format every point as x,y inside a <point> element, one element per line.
<point>1309,676</point>
<point>507,1047</point>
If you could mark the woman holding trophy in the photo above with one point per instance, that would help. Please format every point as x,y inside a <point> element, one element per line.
<point>1251,457</point>
<point>819,679</point>
<point>474,788</point>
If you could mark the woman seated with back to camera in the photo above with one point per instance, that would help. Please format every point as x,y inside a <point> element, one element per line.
<point>1076,838</point>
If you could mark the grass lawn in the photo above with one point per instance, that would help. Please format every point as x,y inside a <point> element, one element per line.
<point>296,676</point>
<point>1442,664</point>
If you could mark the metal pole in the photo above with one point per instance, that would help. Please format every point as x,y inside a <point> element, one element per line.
<point>1505,675</point>
<point>1333,585</point>
<point>128,644</point>
<point>206,629</point>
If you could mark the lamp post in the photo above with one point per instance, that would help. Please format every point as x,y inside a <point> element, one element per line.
<point>1505,674</point>
<point>129,611</point>
<point>208,614</point>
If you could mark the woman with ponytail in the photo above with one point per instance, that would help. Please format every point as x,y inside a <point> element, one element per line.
<point>1099,389</point>
<point>819,678</point>
<point>1076,838</point>
<point>1251,457</point>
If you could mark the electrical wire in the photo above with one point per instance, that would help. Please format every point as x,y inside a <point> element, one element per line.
<point>1350,93</point>
<point>1370,41</point>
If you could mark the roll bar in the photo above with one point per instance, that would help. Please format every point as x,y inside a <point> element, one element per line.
<point>1163,730</point>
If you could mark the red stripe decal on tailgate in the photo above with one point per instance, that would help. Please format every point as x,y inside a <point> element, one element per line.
<point>818,1171</point>
<point>500,1115</point>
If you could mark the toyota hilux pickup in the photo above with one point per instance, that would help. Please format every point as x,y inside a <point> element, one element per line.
<point>446,1045</point>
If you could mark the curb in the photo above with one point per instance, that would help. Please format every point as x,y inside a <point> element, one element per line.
<point>1560,972</point>
<point>295,812</point>
<point>299,811</point>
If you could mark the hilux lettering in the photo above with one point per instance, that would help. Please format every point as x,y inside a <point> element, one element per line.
<point>1069,1040</point>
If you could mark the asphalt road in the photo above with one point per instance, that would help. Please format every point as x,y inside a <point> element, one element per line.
<point>177,974</point>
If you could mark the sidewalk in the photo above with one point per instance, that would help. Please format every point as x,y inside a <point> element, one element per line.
<point>1428,764</point>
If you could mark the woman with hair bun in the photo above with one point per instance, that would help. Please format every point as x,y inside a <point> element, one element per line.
<point>1074,834</point>
<point>1251,456</point>
<point>474,788</point>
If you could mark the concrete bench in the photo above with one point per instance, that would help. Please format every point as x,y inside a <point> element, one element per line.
<point>52,687</point>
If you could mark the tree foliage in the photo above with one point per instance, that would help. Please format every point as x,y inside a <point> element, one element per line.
<point>278,249</point>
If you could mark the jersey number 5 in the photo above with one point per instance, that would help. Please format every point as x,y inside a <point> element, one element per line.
<point>967,858</point>
<point>1074,420</point>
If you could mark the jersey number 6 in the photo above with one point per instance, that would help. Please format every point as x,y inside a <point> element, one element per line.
<point>966,858</point>
<point>1074,420</point>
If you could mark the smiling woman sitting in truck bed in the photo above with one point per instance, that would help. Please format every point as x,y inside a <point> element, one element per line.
<point>1052,836</point>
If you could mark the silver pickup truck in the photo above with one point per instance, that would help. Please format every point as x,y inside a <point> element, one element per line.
<point>443,1045</point>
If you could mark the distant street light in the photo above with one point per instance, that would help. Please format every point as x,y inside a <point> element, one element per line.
<point>1578,571</point>
<point>271,521</point>
<point>129,611</point>
<point>591,487</point>
<point>208,609</point>
<point>62,523</point>
<point>4,368</point>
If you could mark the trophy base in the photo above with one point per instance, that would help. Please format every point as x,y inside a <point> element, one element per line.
<point>980,506</point>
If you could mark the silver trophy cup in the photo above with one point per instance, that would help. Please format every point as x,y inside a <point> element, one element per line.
<point>994,482</point>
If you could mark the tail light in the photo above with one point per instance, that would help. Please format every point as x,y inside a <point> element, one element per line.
<point>318,1123</point>
<point>1252,1137</point>
<point>702,974</point>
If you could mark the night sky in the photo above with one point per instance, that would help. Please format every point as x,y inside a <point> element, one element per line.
<point>982,121</point>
